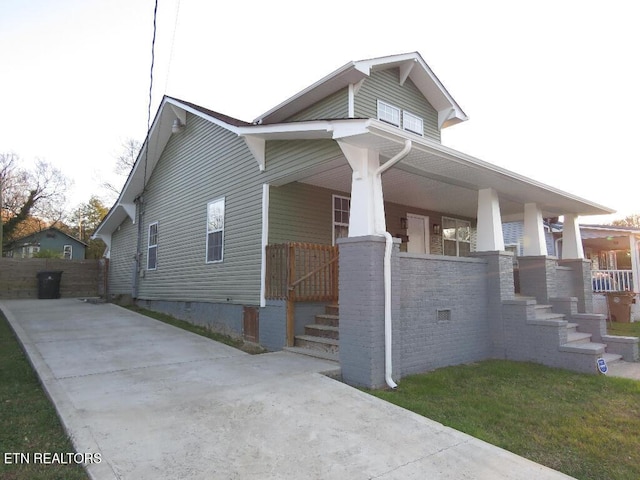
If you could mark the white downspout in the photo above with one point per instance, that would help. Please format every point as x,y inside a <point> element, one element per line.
<point>388,358</point>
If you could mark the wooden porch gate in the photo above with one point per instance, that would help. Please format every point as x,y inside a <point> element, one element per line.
<point>301,272</point>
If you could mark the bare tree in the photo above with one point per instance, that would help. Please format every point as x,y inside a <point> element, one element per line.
<point>629,221</point>
<point>124,163</point>
<point>28,195</point>
<point>7,163</point>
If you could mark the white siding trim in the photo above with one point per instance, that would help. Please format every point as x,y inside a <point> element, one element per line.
<point>265,240</point>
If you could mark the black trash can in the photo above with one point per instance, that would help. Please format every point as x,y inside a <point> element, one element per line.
<point>49,284</point>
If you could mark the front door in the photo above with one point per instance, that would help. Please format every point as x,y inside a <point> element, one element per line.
<point>418,233</point>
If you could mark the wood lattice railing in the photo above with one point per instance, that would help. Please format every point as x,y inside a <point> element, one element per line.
<point>302,272</point>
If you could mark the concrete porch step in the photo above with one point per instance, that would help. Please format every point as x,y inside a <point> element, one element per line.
<point>332,309</point>
<point>328,319</point>
<point>572,326</point>
<point>578,337</point>
<point>319,330</point>
<point>611,358</point>
<point>317,343</point>
<point>586,348</point>
<point>333,357</point>
<point>549,316</point>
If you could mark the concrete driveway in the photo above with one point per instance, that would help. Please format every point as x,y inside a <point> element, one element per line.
<point>160,403</point>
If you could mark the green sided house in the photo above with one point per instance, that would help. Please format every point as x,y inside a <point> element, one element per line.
<point>344,195</point>
<point>51,240</point>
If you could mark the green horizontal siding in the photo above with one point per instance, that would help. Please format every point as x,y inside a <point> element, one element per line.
<point>202,164</point>
<point>334,106</point>
<point>121,264</point>
<point>301,213</point>
<point>385,86</point>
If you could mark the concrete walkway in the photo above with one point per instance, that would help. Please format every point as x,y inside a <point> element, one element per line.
<point>160,403</point>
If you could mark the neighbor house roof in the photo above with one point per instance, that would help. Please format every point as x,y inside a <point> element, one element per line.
<point>44,231</point>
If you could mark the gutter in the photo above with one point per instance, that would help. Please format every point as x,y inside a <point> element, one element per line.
<point>388,357</point>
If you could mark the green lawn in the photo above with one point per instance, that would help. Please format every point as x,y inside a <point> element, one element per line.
<point>28,422</point>
<point>624,329</point>
<point>586,426</point>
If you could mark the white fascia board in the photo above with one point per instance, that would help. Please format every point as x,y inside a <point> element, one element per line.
<point>302,130</point>
<point>449,112</point>
<point>198,113</point>
<point>340,78</point>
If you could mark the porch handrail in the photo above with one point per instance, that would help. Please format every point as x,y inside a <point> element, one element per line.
<point>302,272</point>
<point>612,280</point>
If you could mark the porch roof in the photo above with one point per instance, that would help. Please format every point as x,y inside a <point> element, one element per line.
<point>432,176</point>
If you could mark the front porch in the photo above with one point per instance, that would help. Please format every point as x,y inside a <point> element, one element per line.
<point>424,278</point>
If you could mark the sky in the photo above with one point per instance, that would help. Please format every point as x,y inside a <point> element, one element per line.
<point>550,87</point>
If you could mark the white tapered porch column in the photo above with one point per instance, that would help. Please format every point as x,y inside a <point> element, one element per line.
<point>367,206</point>
<point>490,237</point>
<point>571,239</point>
<point>534,239</point>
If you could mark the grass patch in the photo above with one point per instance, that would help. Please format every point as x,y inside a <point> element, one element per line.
<point>624,329</point>
<point>238,343</point>
<point>583,425</point>
<point>28,420</point>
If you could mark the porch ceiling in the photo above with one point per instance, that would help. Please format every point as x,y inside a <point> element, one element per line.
<point>437,178</point>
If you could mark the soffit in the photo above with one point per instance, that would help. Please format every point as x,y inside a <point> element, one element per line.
<point>437,178</point>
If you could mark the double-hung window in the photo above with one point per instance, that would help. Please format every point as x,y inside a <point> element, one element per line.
<point>456,237</point>
<point>388,113</point>
<point>67,252</point>
<point>215,230</point>
<point>341,212</point>
<point>412,123</point>
<point>395,116</point>
<point>152,248</point>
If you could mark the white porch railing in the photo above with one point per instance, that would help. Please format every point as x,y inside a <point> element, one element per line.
<point>611,280</point>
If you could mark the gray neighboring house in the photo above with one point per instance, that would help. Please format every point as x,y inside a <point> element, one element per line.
<point>337,224</point>
<point>52,239</point>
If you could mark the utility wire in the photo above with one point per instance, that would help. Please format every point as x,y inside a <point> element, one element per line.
<point>153,49</point>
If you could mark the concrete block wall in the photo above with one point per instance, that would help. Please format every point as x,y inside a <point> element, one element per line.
<point>433,288</point>
<point>362,340</point>
<point>500,287</point>
<point>273,325</point>
<point>580,281</point>
<point>538,277</point>
<point>221,317</point>
<point>564,282</point>
<point>530,341</point>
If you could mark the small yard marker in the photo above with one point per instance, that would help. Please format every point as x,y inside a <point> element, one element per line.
<point>602,366</point>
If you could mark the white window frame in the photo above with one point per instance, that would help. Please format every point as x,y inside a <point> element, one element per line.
<point>64,252</point>
<point>410,118</point>
<point>458,223</point>
<point>386,116</point>
<point>215,229</point>
<point>334,223</point>
<point>152,246</point>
